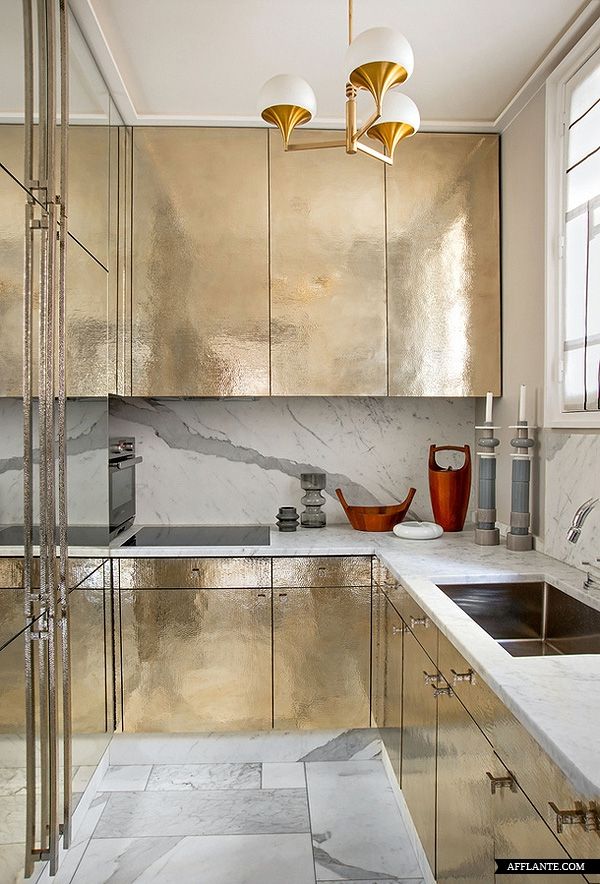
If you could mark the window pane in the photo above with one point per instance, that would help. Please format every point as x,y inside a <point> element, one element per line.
<point>587,91</point>
<point>584,136</point>
<point>573,380</point>
<point>592,377</point>
<point>583,182</point>
<point>576,236</point>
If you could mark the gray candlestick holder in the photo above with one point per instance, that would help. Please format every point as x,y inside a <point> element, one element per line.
<point>313,500</point>
<point>486,533</point>
<point>519,538</point>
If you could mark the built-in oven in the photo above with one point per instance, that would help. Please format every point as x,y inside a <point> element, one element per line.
<point>122,461</point>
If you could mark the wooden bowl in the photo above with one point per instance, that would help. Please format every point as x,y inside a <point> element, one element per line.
<point>376,518</point>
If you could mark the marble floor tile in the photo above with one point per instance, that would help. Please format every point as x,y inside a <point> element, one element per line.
<point>283,775</point>
<point>233,812</point>
<point>358,831</point>
<point>187,777</point>
<point>12,780</point>
<point>335,745</point>
<point>218,859</point>
<point>125,778</point>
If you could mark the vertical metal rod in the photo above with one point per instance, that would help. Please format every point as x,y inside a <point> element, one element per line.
<point>43,459</point>
<point>62,433</point>
<point>29,606</point>
<point>50,509</point>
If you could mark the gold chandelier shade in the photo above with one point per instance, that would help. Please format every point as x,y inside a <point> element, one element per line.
<point>377,77</point>
<point>390,134</point>
<point>286,117</point>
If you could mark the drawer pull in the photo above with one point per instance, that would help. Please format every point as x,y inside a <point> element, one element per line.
<point>497,783</point>
<point>283,596</point>
<point>445,691</point>
<point>588,818</point>
<point>463,676</point>
<point>262,595</point>
<point>432,679</point>
<point>419,621</point>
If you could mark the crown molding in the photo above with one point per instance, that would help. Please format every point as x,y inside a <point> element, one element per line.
<point>563,45</point>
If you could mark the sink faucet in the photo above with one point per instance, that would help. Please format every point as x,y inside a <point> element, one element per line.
<point>592,580</point>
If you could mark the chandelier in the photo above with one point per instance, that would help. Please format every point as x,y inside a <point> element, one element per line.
<point>378,60</point>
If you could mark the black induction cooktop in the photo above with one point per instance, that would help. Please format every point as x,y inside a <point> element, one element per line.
<point>77,535</point>
<point>203,535</point>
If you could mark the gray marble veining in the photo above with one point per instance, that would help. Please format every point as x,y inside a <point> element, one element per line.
<point>189,777</point>
<point>233,812</point>
<point>247,456</point>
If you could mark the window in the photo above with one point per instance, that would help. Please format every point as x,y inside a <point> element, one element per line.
<point>573,244</point>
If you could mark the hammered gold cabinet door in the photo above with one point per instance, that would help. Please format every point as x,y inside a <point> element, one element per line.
<point>328,301</point>
<point>390,723</point>
<point>196,659</point>
<point>419,740</point>
<point>91,692</point>
<point>200,262</point>
<point>443,266</point>
<point>465,835</point>
<point>321,657</point>
<point>521,833</point>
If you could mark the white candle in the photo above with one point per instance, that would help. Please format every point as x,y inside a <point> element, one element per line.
<point>522,396</point>
<point>488,408</point>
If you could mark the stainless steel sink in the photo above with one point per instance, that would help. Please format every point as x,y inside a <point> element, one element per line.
<point>530,619</point>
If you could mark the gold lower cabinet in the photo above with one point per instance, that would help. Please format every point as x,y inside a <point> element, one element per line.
<point>520,832</point>
<point>465,836</point>
<point>196,660</point>
<point>321,660</point>
<point>390,685</point>
<point>419,739</point>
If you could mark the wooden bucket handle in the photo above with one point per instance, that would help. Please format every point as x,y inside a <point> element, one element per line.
<point>464,449</point>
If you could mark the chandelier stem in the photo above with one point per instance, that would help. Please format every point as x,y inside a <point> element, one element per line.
<point>349,22</point>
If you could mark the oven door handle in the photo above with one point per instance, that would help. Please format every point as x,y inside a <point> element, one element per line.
<point>125,464</point>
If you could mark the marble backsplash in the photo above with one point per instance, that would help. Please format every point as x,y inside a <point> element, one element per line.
<point>237,461</point>
<point>87,478</point>
<point>572,476</point>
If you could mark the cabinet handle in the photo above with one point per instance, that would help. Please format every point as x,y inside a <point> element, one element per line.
<point>283,596</point>
<point>432,679</point>
<point>507,782</point>
<point>587,817</point>
<point>443,691</point>
<point>261,595</point>
<point>463,676</point>
<point>419,621</point>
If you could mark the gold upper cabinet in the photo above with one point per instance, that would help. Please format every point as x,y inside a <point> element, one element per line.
<point>443,266</point>
<point>328,300</point>
<point>200,262</point>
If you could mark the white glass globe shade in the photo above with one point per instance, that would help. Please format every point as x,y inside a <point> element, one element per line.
<point>380,45</point>
<point>287,90</point>
<point>399,108</point>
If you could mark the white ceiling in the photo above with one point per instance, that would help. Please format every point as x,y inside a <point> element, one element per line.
<point>194,61</point>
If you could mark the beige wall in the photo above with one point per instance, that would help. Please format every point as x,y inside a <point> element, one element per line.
<point>522,194</point>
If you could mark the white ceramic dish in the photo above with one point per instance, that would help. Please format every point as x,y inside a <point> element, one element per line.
<point>418,530</point>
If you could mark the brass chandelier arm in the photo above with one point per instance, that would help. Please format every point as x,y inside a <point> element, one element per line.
<point>366,126</point>
<point>370,151</point>
<point>315,145</point>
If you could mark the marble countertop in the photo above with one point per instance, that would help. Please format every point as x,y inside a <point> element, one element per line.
<point>556,698</point>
